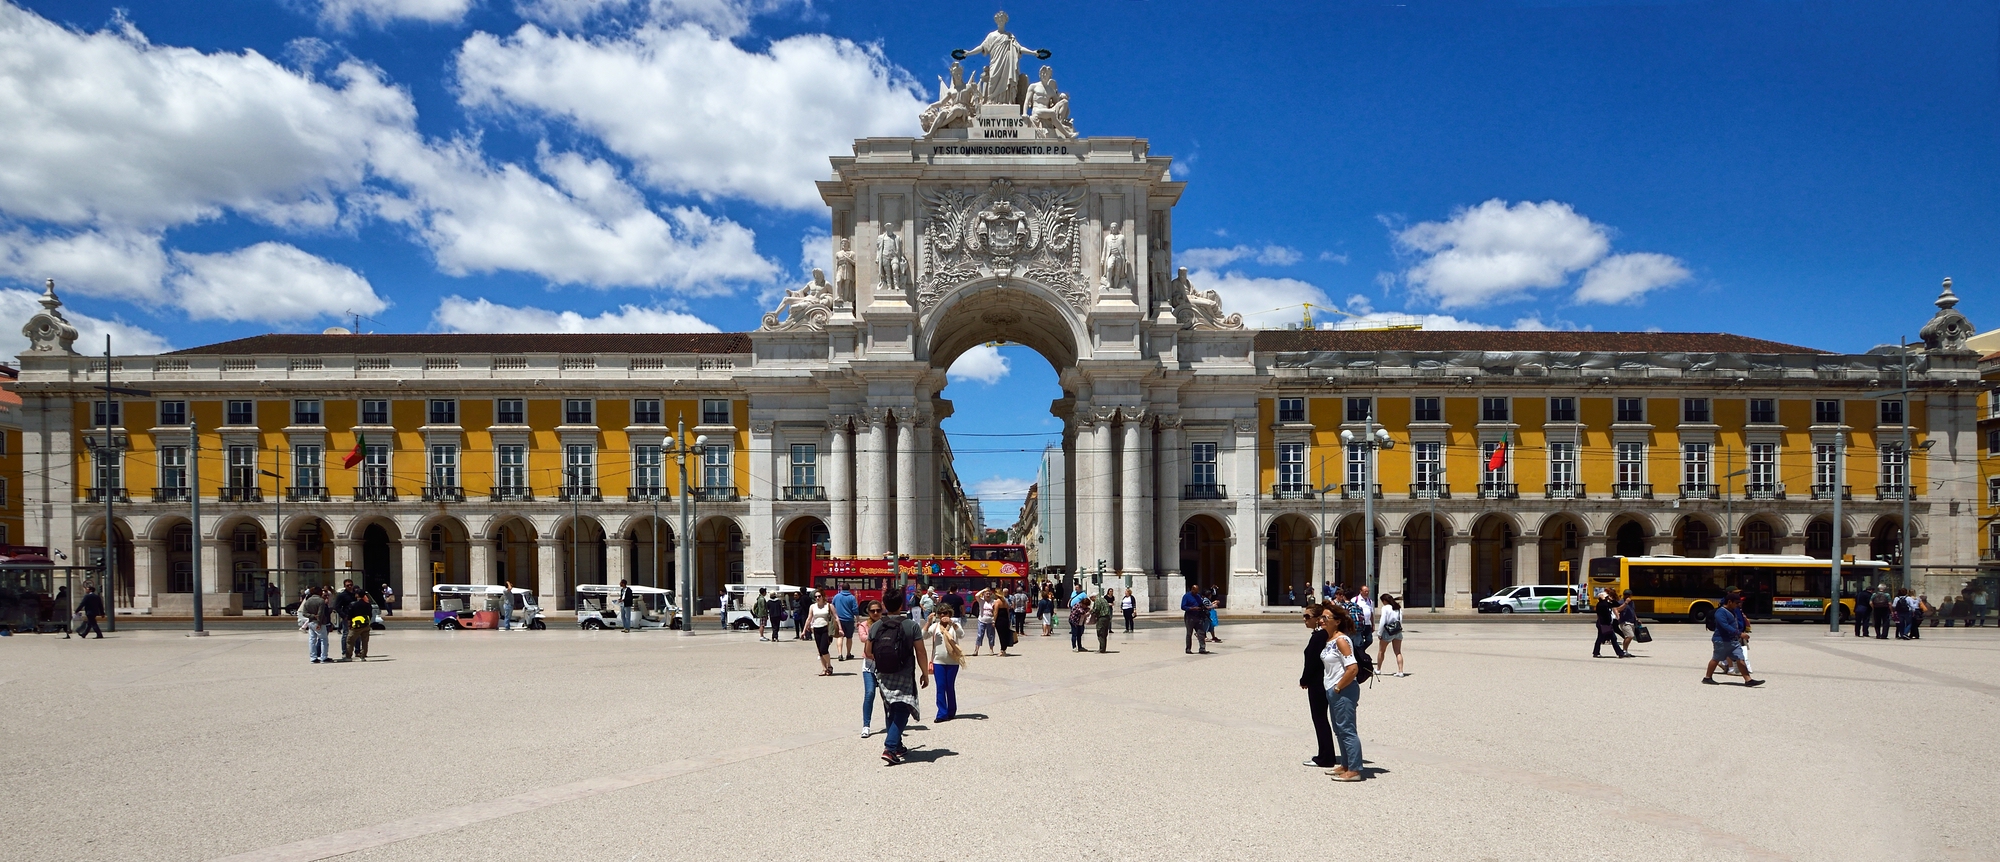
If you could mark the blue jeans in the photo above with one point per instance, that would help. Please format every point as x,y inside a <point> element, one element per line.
<point>899,718</point>
<point>316,642</point>
<point>987,636</point>
<point>867,698</point>
<point>625,616</point>
<point>1341,704</point>
<point>947,690</point>
<point>506,619</point>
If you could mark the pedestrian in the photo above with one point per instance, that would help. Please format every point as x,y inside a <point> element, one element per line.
<point>983,611</point>
<point>89,610</point>
<point>795,608</point>
<point>873,616</point>
<point>1214,604</point>
<point>625,606</point>
<point>69,613</point>
<point>1341,674</point>
<point>1195,616</point>
<point>1948,612</point>
<point>1130,606</point>
<point>1606,632</point>
<point>823,622</point>
<point>271,607</point>
<point>1728,640</point>
<point>1628,619</point>
<point>1925,611</point>
<point>896,646</point>
<point>1861,611</point>
<point>1389,631</point>
<point>314,612</point>
<point>1079,616</point>
<point>1017,601</point>
<point>389,599</point>
<point>947,657</point>
<point>845,606</point>
<point>1003,620</point>
<point>1312,679</point>
<point>506,607</point>
<point>360,623</point>
<point>1364,622</point>
<point>761,610</point>
<point>340,602</point>
<point>1905,613</point>
<point>1101,609</point>
<point>1878,610</point>
<point>1046,608</point>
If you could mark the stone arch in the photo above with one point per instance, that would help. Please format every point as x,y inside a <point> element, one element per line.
<point>718,557</point>
<point>1627,534</point>
<point>1697,536</point>
<point>1494,537</point>
<point>90,552</point>
<point>1560,538</point>
<point>651,550</point>
<point>305,552</point>
<point>444,545</point>
<point>172,570</point>
<point>1014,310</point>
<point>580,548</point>
<point>516,552</point>
<point>1205,552</point>
<point>1288,559</point>
<point>1761,534</point>
<point>1885,539</point>
<point>1426,558</point>
<point>801,539</point>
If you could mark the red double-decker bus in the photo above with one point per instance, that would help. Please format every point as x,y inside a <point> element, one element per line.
<point>1003,565</point>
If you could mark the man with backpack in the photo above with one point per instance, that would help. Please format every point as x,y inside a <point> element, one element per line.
<point>360,623</point>
<point>1878,609</point>
<point>895,645</point>
<point>1728,622</point>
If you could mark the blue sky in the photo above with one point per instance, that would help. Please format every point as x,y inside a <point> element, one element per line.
<point>1806,172</point>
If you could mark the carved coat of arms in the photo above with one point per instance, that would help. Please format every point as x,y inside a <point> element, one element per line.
<point>1002,232</point>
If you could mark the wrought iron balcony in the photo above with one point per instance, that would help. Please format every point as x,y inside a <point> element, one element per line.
<point>1890,493</point>
<point>507,493</point>
<point>375,494</point>
<point>579,494</point>
<point>305,494</point>
<point>644,493</point>
<point>240,494</point>
<point>1289,491</point>
<point>1430,491</point>
<point>716,494</point>
<point>1563,491</point>
<point>1825,492</point>
<point>1355,490</point>
<point>1698,491</point>
<point>117,495</point>
<point>1499,491</point>
<point>1204,492</point>
<point>170,495</point>
<point>444,494</point>
<point>1764,491</point>
<point>1989,555</point>
<point>805,492</point>
<point>1632,491</point>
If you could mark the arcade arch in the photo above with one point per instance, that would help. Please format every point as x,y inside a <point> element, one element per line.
<point>1288,559</point>
<point>804,537</point>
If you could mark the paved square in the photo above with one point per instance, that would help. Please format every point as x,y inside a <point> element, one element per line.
<point>1507,742</point>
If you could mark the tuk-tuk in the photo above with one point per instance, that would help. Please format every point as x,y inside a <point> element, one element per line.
<point>740,613</point>
<point>652,608</point>
<point>479,606</point>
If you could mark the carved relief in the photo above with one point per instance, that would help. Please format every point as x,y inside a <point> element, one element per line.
<point>1132,415</point>
<point>48,331</point>
<point>1002,232</point>
<point>809,307</point>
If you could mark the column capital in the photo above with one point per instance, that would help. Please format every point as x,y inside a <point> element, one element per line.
<point>762,428</point>
<point>1168,420</point>
<point>1103,415</point>
<point>1246,426</point>
<point>839,421</point>
<point>1132,415</point>
<point>876,417</point>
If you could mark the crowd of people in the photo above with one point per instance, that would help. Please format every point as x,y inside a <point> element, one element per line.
<point>350,612</point>
<point>1336,666</point>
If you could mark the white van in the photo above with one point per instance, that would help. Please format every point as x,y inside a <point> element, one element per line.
<point>652,608</point>
<point>1530,599</point>
<point>740,613</point>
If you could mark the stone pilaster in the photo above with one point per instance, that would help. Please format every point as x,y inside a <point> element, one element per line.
<point>840,486</point>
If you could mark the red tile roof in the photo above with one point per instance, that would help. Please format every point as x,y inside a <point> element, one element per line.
<point>1287,340</point>
<point>452,343</point>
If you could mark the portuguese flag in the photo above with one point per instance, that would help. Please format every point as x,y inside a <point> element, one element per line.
<point>354,457</point>
<point>1499,458</point>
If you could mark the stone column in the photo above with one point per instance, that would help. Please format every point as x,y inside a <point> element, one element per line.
<point>479,559</point>
<point>343,553</point>
<point>1167,511</point>
<point>840,488</point>
<point>143,576</point>
<point>760,529</point>
<point>1136,515</point>
<point>1103,489</point>
<point>906,485</point>
<point>1390,578</point>
<point>548,575</point>
<point>1528,560</point>
<point>1458,573</point>
<point>214,562</point>
<point>1082,460</point>
<point>618,559</point>
<point>416,585</point>
<point>872,510</point>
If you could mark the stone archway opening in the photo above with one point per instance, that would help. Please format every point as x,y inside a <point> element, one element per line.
<point>804,538</point>
<point>718,558</point>
<point>1561,539</point>
<point>1493,556</point>
<point>1426,545</point>
<point>1288,560</point>
<point>1695,537</point>
<point>515,555</point>
<point>651,552</point>
<point>580,550</point>
<point>1204,556</point>
<point>1628,537</point>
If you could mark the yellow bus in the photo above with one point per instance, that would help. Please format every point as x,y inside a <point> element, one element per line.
<point>1774,586</point>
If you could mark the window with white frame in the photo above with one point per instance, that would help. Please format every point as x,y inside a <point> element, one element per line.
<point>1993,540</point>
<point>1357,465</point>
<point>715,411</point>
<point>1487,475</point>
<point>1629,463</point>
<point>579,467</point>
<point>105,413</point>
<point>512,461</point>
<point>805,465</point>
<point>1562,409</point>
<point>1493,410</point>
<point>646,411</point>
<point>1993,492</point>
<point>1694,411</point>
<point>1763,473</point>
<point>1891,411</point>
<point>1695,467</point>
<point>444,465</point>
<point>443,411</point>
<point>243,467</point>
<point>1562,464</point>
<point>1429,461</point>
<point>1763,411</point>
<point>306,411</point>
<point>173,468</point>
<point>1631,409</point>
<point>1825,465</point>
<point>375,468</point>
<point>375,411</point>
<point>306,466</point>
<point>1291,466</point>
<point>1291,410</point>
<point>1826,411</point>
<point>646,469</point>
<point>579,411</point>
<point>110,468</point>
<point>1895,467</point>
<point>510,411</point>
<point>1201,457</point>
<point>1427,410</point>
<point>172,413</point>
<point>715,468</point>
<point>1360,409</point>
<point>1993,442</point>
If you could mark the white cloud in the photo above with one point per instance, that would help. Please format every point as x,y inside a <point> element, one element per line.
<point>984,363</point>
<point>816,252</point>
<point>1264,302</point>
<point>1497,253</point>
<point>727,17</point>
<point>1330,257</point>
<point>271,282</point>
<point>1623,278</point>
<point>1001,488</point>
<point>341,13</point>
<point>1216,258</point>
<point>458,314</point>
<point>695,113</point>
<point>117,263</point>
<point>126,339</point>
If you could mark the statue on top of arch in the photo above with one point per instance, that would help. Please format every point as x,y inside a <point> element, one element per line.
<point>1197,309</point>
<point>1044,104</point>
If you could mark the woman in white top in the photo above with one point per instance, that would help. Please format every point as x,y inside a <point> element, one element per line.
<point>946,658</point>
<point>1343,689</point>
<point>986,631</point>
<point>1389,631</point>
<point>821,615</point>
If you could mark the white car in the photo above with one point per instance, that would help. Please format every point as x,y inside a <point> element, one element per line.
<point>1529,599</point>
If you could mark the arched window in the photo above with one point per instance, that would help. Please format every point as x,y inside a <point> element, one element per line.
<point>1758,539</point>
<point>1569,536</point>
<point>1819,540</point>
<point>437,538</point>
<point>1696,541</point>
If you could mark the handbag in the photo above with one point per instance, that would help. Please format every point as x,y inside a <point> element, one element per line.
<point>1642,634</point>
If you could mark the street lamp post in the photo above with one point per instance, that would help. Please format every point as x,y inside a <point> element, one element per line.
<point>1729,505</point>
<point>681,450</point>
<point>278,499</point>
<point>1839,476</point>
<point>1372,439</point>
<point>194,515</point>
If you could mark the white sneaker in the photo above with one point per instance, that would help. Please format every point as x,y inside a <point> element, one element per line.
<point>865,731</point>
<point>762,638</point>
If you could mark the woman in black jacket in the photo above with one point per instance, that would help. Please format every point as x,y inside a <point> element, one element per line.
<point>1310,680</point>
<point>1607,632</point>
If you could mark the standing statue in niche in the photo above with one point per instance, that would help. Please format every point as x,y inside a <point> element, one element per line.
<point>843,273</point>
<point>1002,84</point>
<point>891,262</point>
<point>1198,310</point>
<point>1117,263</point>
<point>1156,287</point>
<point>1051,106</point>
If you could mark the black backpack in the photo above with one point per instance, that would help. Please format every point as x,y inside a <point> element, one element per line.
<point>891,646</point>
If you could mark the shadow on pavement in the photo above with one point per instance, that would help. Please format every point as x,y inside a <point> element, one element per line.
<point>927,755</point>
